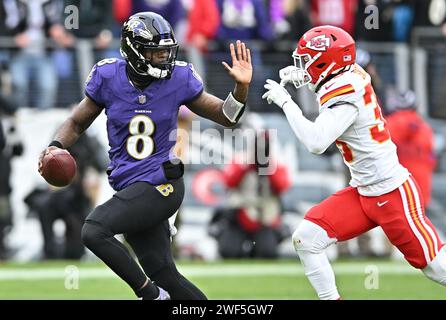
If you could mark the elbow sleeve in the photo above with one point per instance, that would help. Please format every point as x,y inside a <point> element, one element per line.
<point>316,149</point>
<point>317,145</point>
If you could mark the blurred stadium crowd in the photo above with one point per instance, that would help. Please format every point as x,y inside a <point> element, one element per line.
<point>47,48</point>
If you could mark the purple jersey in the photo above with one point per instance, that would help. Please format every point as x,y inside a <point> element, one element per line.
<point>140,122</point>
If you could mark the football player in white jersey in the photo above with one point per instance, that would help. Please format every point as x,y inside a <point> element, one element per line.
<point>382,192</point>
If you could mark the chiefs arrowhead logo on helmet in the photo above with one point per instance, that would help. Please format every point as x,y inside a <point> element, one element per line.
<point>319,43</point>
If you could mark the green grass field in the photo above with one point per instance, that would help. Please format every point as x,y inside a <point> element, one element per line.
<point>280,279</point>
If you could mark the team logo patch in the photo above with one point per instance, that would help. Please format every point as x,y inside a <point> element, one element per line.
<point>165,189</point>
<point>319,43</point>
<point>139,29</point>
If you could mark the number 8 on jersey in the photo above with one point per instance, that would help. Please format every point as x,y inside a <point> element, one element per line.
<point>140,144</point>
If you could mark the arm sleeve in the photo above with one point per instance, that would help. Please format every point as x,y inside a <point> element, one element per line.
<point>317,136</point>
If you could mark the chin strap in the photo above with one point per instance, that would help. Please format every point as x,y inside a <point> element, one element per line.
<point>324,74</point>
<point>321,82</point>
<point>157,72</point>
<point>137,78</point>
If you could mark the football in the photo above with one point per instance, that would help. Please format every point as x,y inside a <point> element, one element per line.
<point>58,167</point>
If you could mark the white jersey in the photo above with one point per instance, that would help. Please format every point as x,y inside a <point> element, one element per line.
<point>365,145</point>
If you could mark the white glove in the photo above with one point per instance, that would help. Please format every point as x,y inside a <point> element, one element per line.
<point>276,93</point>
<point>287,74</point>
<point>173,230</point>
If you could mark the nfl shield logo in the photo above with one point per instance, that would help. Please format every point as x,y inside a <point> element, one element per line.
<point>142,99</point>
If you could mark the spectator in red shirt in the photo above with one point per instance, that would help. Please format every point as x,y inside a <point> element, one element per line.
<point>414,139</point>
<point>204,19</point>
<point>251,224</point>
<point>339,13</point>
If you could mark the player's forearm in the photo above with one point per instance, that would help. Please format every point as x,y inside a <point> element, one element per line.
<point>68,133</point>
<point>221,119</point>
<point>241,92</point>
<point>210,107</point>
<point>79,121</point>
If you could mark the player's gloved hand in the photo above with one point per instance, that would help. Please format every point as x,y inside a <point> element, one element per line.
<point>276,93</point>
<point>296,76</point>
<point>173,230</point>
<point>287,75</point>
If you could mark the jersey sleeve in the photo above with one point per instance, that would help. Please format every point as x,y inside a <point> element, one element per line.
<point>328,126</point>
<point>194,85</point>
<point>93,87</point>
<point>341,95</point>
<point>346,89</point>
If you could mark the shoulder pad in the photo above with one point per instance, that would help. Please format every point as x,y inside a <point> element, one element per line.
<point>180,63</point>
<point>107,68</point>
<point>347,87</point>
<point>187,68</point>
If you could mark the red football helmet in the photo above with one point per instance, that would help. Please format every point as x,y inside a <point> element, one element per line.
<point>322,51</point>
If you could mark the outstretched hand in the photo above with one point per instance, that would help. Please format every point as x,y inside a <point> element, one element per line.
<point>241,70</point>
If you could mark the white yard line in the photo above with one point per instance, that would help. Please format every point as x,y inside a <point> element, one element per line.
<point>229,270</point>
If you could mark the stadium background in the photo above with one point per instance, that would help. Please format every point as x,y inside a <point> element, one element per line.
<point>415,61</point>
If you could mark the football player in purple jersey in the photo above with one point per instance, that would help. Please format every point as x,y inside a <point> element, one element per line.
<point>140,96</point>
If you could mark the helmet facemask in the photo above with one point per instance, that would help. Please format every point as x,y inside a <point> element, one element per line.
<point>302,62</point>
<point>301,76</point>
<point>144,65</point>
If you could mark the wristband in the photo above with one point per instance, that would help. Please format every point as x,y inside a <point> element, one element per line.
<point>56,143</point>
<point>232,109</point>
